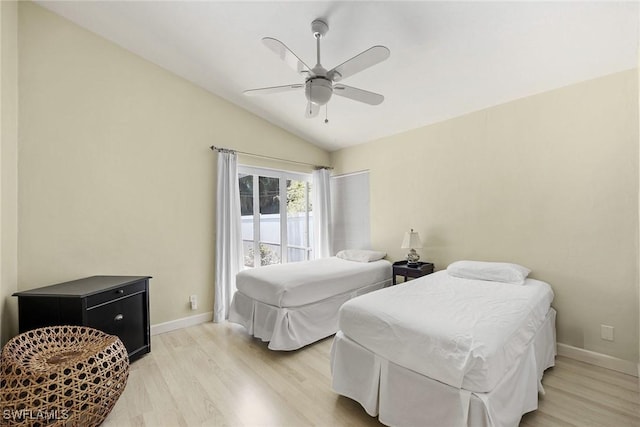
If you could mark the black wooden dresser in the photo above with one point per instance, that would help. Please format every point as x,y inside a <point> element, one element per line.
<point>117,305</point>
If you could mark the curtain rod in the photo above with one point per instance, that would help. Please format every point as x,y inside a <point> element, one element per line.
<point>228,150</point>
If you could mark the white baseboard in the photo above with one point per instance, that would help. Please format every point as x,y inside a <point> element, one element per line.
<point>599,359</point>
<point>172,325</point>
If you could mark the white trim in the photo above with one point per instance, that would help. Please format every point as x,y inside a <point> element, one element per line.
<point>172,325</point>
<point>599,359</point>
<point>273,173</point>
<point>344,175</point>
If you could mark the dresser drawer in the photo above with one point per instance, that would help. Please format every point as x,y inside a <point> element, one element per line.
<point>123,317</point>
<point>116,293</point>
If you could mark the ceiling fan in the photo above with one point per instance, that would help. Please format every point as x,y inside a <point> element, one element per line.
<point>319,83</point>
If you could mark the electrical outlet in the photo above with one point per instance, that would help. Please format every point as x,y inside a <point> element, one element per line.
<point>606,332</point>
<point>193,300</point>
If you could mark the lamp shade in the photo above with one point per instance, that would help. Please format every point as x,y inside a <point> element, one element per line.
<point>411,240</point>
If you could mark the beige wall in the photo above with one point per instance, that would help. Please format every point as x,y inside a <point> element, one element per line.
<point>8,168</point>
<point>115,171</point>
<point>549,181</point>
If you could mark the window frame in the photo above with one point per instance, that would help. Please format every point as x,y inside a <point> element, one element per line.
<point>282,176</point>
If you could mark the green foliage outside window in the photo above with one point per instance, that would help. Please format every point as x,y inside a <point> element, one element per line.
<point>296,197</point>
<point>267,256</point>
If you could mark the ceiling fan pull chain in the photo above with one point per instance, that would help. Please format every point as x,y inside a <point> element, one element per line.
<point>326,113</point>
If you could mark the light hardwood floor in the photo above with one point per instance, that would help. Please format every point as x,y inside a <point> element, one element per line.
<point>216,375</point>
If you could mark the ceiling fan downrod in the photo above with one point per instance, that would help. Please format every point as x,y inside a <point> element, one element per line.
<point>318,88</point>
<point>319,29</point>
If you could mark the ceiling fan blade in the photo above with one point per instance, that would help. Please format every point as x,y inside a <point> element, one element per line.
<point>359,62</point>
<point>287,56</point>
<point>358,94</point>
<point>273,89</point>
<point>312,110</point>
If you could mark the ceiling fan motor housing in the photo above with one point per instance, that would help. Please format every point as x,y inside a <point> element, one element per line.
<point>318,90</point>
<point>319,28</point>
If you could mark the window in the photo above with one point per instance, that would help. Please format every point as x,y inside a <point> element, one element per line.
<point>276,216</point>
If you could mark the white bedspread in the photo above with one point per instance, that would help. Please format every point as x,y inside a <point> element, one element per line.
<point>306,282</point>
<point>465,333</point>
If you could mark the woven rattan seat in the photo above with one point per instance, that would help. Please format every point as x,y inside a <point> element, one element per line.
<point>61,376</point>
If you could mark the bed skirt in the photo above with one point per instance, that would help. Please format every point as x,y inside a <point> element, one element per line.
<point>401,397</point>
<point>289,328</point>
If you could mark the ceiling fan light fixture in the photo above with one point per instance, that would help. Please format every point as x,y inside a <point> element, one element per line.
<point>318,91</point>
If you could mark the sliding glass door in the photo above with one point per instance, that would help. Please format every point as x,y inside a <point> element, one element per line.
<point>276,216</point>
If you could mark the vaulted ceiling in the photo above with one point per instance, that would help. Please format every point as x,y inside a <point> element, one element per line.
<point>447,58</point>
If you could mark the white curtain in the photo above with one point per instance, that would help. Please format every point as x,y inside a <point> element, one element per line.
<point>321,213</point>
<point>228,234</point>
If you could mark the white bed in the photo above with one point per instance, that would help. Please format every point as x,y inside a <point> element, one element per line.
<point>443,350</point>
<point>292,305</point>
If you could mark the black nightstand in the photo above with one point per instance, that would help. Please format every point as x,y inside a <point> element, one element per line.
<point>400,269</point>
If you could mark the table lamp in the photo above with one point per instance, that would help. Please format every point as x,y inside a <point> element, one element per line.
<point>411,241</point>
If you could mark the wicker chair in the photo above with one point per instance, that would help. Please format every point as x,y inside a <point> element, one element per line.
<point>61,376</point>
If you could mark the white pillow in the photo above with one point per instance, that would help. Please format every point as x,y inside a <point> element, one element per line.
<point>361,255</point>
<point>493,271</point>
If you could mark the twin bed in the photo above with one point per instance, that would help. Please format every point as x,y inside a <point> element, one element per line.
<point>293,305</point>
<point>443,350</point>
<point>463,347</point>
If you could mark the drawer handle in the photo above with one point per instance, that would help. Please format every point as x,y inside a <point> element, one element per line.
<point>118,317</point>
<point>120,291</point>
